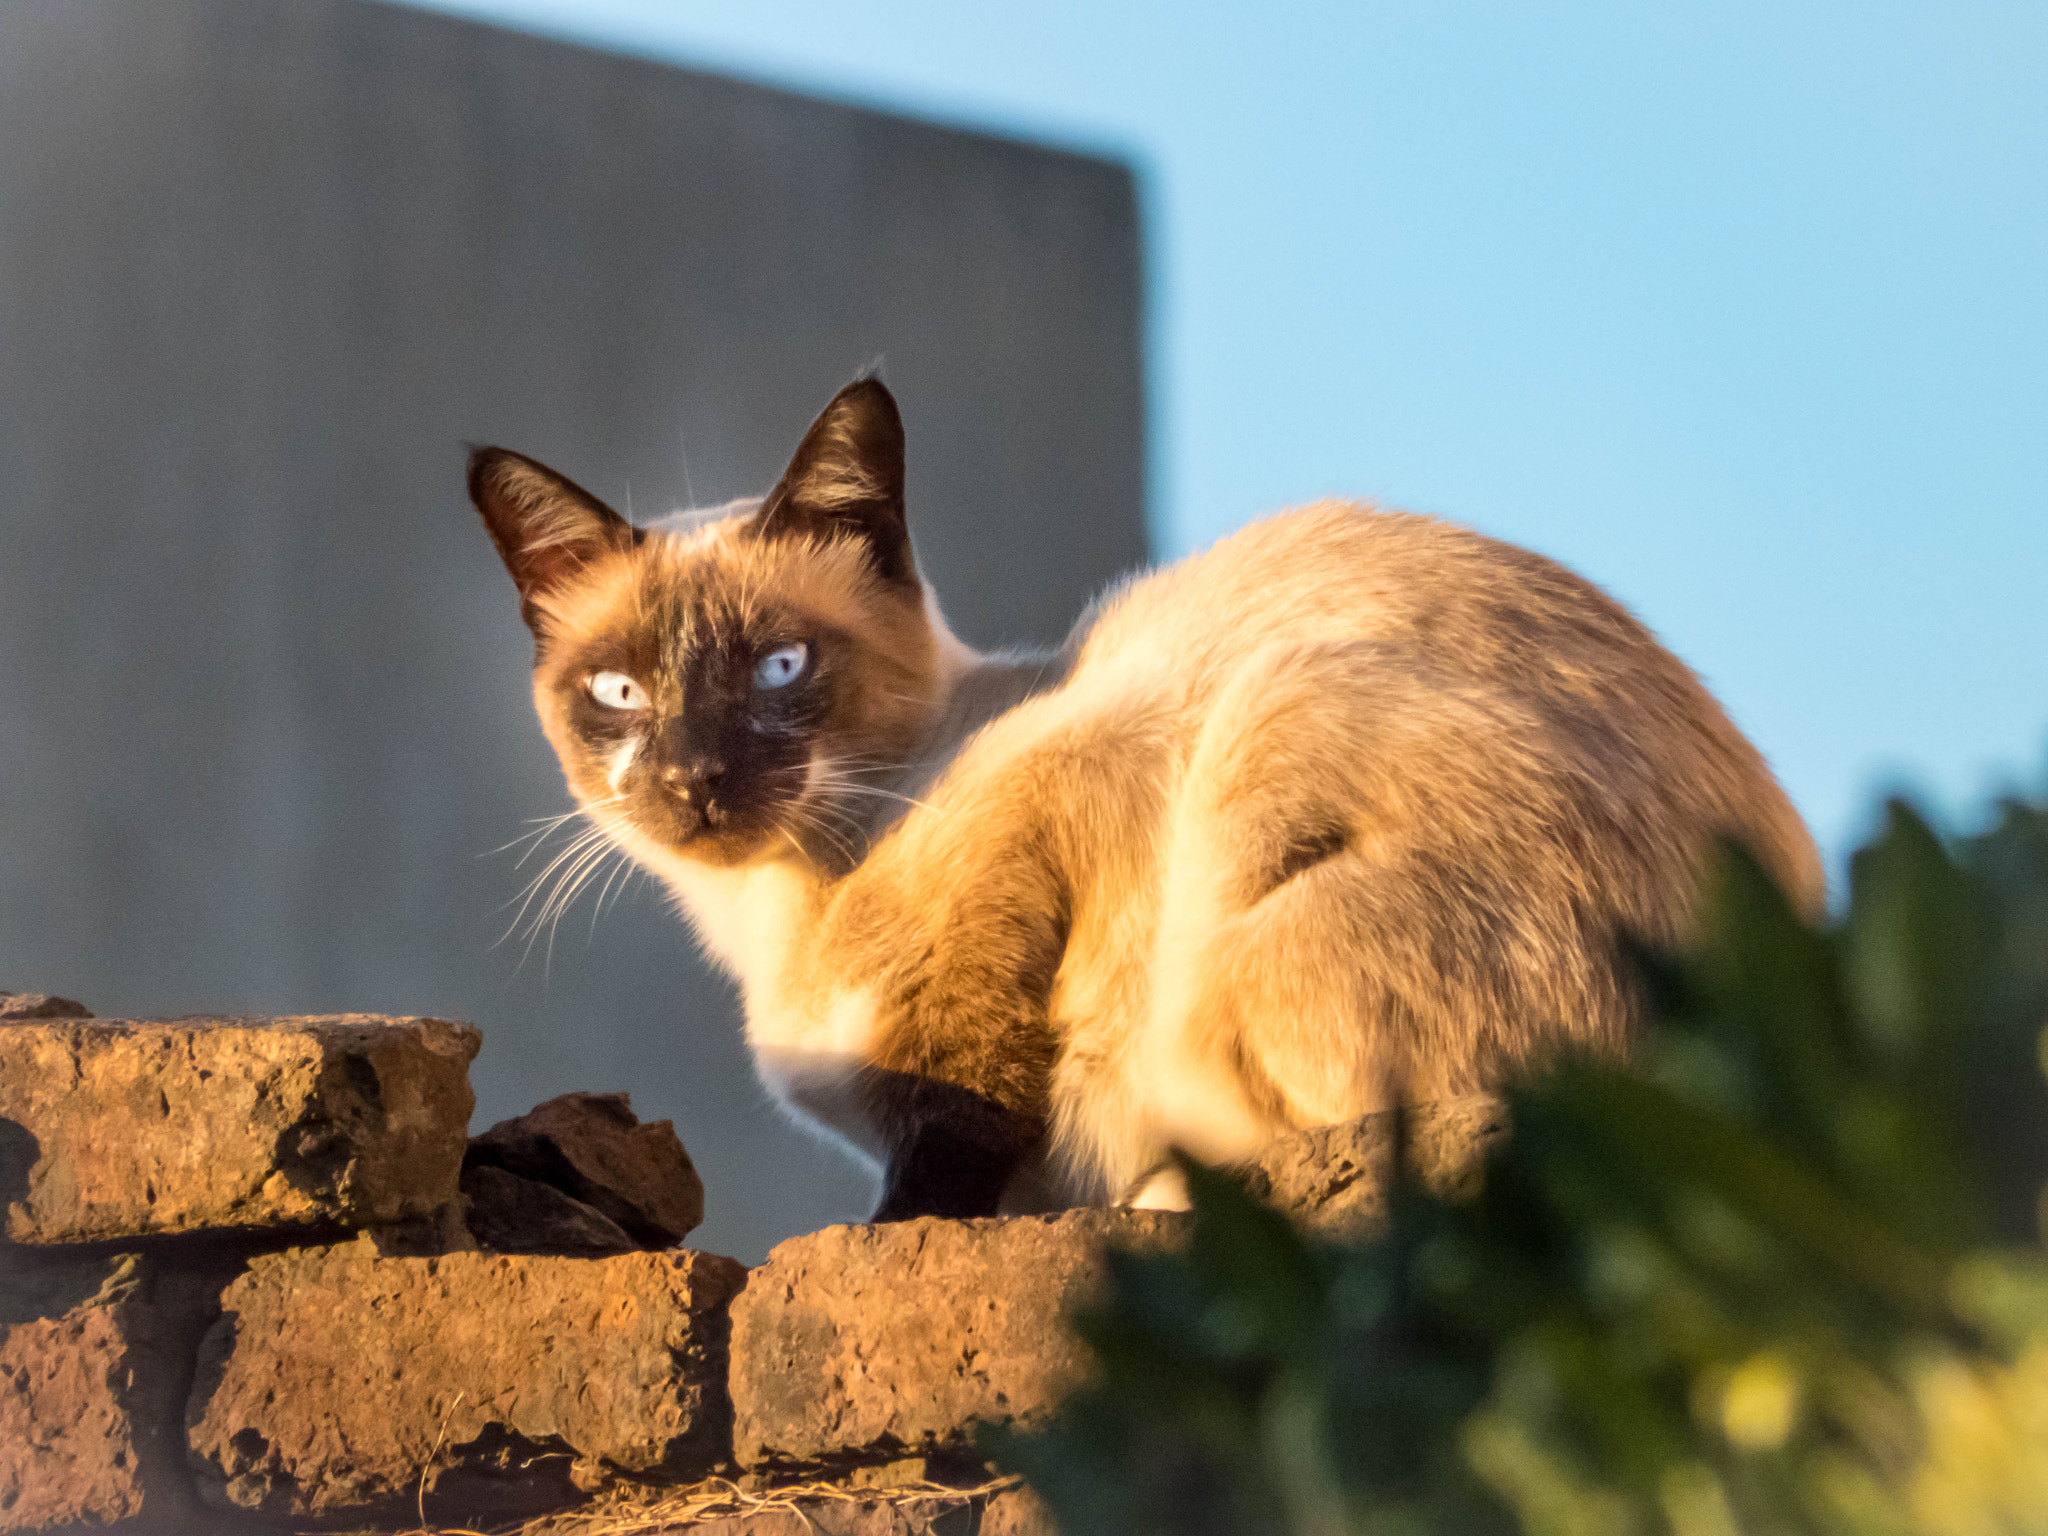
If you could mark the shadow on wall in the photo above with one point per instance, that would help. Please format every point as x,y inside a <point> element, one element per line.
<point>264,267</point>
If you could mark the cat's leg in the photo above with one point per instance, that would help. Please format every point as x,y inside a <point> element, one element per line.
<point>949,1150</point>
<point>1035,1188</point>
<point>1365,901</point>
<point>952,931</point>
<point>961,922</point>
<point>1253,810</point>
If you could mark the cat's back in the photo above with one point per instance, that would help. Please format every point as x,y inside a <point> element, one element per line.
<point>1430,593</point>
<point>1430,612</point>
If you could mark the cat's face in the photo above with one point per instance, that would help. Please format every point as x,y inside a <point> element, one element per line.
<point>720,692</point>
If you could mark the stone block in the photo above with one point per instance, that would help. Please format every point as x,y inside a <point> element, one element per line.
<point>338,1384</point>
<point>1015,1512</point>
<point>1335,1180</point>
<point>112,1128</point>
<point>591,1147</point>
<point>95,1354</point>
<point>873,1343</point>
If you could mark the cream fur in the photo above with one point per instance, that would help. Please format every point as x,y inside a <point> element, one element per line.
<point>1343,811</point>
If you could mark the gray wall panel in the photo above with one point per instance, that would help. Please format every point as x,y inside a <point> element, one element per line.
<point>263,268</point>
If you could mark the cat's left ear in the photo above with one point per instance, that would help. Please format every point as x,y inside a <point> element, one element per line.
<point>847,477</point>
<point>546,527</point>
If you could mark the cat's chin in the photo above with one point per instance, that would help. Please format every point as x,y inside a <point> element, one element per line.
<point>737,838</point>
<point>727,855</point>
<point>727,849</point>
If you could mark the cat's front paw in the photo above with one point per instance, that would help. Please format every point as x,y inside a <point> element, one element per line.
<point>939,1172</point>
<point>1165,1188</point>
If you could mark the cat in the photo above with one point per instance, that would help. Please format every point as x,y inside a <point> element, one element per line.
<point>1354,808</point>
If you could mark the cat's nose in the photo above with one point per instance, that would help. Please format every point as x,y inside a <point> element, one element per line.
<point>695,780</point>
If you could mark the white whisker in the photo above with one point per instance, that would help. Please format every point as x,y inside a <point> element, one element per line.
<point>566,890</point>
<point>597,911</point>
<point>546,897</point>
<point>525,899</point>
<point>540,827</point>
<point>808,816</point>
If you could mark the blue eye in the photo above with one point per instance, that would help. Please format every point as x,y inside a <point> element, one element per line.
<point>781,665</point>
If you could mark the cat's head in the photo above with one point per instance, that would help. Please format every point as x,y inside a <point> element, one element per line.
<point>719,689</point>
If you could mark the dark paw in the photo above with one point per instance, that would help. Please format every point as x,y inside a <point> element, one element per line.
<point>939,1172</point>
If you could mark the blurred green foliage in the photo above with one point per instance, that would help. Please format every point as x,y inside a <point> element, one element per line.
<point>1784,1274</point>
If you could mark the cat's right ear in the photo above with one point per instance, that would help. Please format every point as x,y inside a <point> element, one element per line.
<point>546,527</point>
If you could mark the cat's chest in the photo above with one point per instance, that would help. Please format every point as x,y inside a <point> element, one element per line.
<point>751,920</point>
<point>811,1036</point>
<point>758,924</point>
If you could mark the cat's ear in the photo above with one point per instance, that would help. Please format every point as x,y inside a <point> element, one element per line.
<point>847,477</point>
<point>546,527</point>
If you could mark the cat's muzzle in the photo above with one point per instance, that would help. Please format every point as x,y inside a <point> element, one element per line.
<point>694,791</point>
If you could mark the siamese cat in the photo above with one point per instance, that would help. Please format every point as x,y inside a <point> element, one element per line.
<point>1352,809</point>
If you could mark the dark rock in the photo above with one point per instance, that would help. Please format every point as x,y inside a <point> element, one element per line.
<point>875,1343</point>
<point>338,1384</point>
<point>1335,1180</point>
<point>40,1005</point>
<point>592,1148</point>
<point>508,1214</point>
<point>112,1129</point>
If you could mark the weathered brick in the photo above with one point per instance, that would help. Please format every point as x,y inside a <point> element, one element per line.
<point>338,1383</point>
<point>878,1342</point>
<point>1336,1180</point>
<point>113,1128</point>
<point>95,1354</point>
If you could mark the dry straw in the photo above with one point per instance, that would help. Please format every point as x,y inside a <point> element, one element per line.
<point>638,1512</point>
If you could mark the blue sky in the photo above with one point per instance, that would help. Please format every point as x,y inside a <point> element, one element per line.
<point>1740,309</point>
